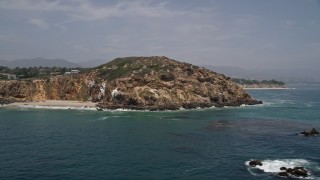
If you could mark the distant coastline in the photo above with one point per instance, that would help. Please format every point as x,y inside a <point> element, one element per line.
<point>265,84</point>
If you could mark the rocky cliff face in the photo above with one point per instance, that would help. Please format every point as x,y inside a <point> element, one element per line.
<point>154,83</point>
<point>55,88</point>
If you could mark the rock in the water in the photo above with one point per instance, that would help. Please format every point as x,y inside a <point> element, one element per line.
<point>255,163</point>
<point>299,172</point>
<point>295,172</point>
<point>283,168</point>
<point>284,174</point>
<point>313,132</point>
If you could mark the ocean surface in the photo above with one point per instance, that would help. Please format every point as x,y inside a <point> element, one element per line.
<point>199,144</point>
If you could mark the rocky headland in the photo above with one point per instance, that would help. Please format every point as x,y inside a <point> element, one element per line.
<point>142,83</point>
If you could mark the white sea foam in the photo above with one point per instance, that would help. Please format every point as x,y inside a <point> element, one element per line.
<point>309,104</point>
<point>102,118</point>
<point>256,105</point>
<point>273,166</point>
<point>245,106</point>
<point>128,110</point>
<point>57,107</point>
<point>124,109</point>
<point>251,171</point>
<point>73,108</point>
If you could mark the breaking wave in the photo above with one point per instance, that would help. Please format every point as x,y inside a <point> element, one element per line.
<point>58,107</point>
<point>272,167</point>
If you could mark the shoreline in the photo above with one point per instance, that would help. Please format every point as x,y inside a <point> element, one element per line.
<point>268,88</point>
<point>79,105</point>
<point>59,104</point>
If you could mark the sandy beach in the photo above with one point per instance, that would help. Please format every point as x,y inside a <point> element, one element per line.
<point>54,103</point>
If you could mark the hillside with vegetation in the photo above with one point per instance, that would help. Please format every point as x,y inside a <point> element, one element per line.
<point>153,83</point>
<point>39,72</point>
<point>246,83</point>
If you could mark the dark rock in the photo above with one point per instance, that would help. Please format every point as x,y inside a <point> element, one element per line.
<point>119,97</point>
<point>313,132</point>
<point>232,103</point>
<point>205,79</point>
<point>214,99</point>
<point>252,102</point>
<point>153,109</point>
<point>296,172</point>
<point>132,101</point>
<point>189,71</point>
<point>205,105</point>
<point>170,107</point>
<point>298,168</point>
<point>283,168</point>
<point>289,170</point>
<point>150,98</point>
<point>167,77</point>
<point>255,163</point>
<point>283,174</point>
<point>190,105</point>
<point>305,133</point>
<point>4,101</point>
<point>258,102</point>
<point>299,172</point>
<point>218,105</point>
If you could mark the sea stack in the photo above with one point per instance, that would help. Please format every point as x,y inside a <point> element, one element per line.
<point>143,83</point>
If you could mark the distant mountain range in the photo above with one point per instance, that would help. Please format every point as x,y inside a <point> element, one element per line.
<point>44,62</point>
<point>37,62</point>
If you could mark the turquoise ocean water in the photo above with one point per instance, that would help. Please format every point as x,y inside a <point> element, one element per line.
<point>198,144</point>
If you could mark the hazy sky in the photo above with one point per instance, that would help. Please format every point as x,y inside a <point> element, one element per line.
<point>246,33</point>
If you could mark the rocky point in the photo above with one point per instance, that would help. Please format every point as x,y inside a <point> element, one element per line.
<point>143,83</point>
